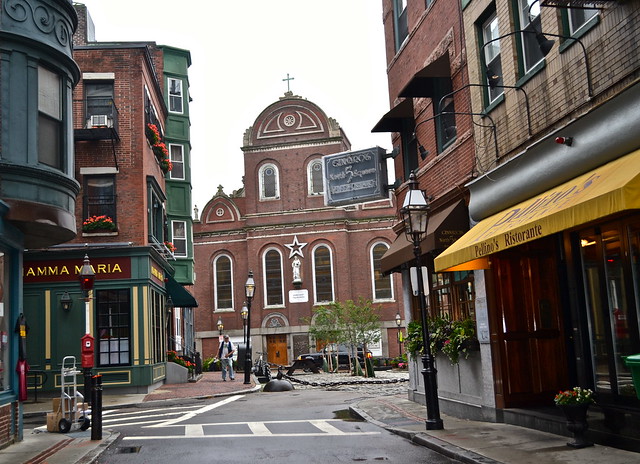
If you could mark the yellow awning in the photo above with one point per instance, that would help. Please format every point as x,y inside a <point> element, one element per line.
<point>609,189</point>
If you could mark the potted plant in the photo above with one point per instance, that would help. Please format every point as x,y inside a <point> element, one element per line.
<point>101,223</point>
<point>166,165</point>
<point>452,338</point>
<point>574,404</point>
<point>153,134</point>
<point>170,246</point>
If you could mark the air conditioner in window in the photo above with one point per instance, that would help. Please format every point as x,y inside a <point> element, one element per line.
<point>99,120</point>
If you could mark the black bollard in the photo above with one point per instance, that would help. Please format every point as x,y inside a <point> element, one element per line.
<point>96,409</point>
<point>88,393</point>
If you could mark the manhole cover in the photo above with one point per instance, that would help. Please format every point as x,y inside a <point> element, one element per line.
<point>129,449</point>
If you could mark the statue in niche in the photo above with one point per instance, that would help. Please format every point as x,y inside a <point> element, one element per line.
<point>297,277</point>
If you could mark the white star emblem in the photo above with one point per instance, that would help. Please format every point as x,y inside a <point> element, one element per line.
<point>296,247</point>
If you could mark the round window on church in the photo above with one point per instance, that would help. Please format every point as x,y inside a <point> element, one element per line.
<point>289,120</point>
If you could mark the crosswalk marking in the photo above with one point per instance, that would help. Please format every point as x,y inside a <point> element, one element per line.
<point>259,428</point>
<point>193,430</point>
<point>174,418</point>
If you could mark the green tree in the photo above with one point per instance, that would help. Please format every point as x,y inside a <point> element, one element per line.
<point>350,323</point>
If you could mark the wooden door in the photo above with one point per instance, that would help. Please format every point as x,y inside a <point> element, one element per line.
<point>277,349</point>
<point>527,332</point>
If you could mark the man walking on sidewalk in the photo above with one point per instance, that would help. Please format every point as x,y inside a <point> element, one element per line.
<point>225,354</point>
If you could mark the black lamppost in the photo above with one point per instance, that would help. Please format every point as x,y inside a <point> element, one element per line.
<point>87,346</point>
<point>399,323</point>
<point>244,312</point>
<point>220,327</point>
<point>415,214</point>
<point>249,290</point>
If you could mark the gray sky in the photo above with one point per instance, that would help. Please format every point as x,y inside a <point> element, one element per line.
<point>240,52</point>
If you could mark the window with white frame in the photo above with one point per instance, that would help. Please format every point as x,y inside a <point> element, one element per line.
<point>530,24</point>
<point>175,95</point>
<point>179,237</point>
<point>315,181</point>
<point>492,60</point>
<point>274,294</point>
<point>50,122</point>
<point>400,23</point>
<point>223,283</point>
<point>579,17</point>
<point>176,152</point>
<point>269,182</point>
<point>323,274</point>
<point>382,285</point>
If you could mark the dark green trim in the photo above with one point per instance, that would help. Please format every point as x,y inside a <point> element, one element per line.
<point>568,43</point>
<point>535,70</point>
<point>465,3</point>
<point>489,108</point>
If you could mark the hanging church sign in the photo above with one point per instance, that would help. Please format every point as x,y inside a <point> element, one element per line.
<point>355,177</point>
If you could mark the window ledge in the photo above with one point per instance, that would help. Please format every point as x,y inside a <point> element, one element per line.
<point>99,234</point>
<point>489,108</point>
<point>532,72</point>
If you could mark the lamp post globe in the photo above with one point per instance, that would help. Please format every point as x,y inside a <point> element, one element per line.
<point>244,312</point>
<point>415,214</point>
<point>249,291</point>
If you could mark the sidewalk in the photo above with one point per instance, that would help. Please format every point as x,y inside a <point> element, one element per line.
<point>76,447</point>
<point>464,440</point>
<point>482,442</point>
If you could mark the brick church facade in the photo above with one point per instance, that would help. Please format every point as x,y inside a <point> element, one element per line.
<point>278,227</point>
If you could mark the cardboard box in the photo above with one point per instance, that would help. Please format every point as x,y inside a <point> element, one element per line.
<point>57,403</point>
<point>53,421</point>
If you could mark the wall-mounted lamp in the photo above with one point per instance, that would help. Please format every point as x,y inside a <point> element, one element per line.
<point>423,153</point>
<point>564,141</point>
<point>545,46</point>
<point>65,301</point>
<point>526,97</point>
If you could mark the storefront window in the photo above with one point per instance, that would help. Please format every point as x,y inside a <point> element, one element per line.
<point>606,284</point>
<point>114,326</point>
<point>4,322</point>
<point>454,295</point>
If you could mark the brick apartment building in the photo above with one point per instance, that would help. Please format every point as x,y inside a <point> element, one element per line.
<point>122,170</point>
<point>552,200</point>
<point>431,126</point>
<point>277,218</point>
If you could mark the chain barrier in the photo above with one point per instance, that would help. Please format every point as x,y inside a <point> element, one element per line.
<point>282,375</point>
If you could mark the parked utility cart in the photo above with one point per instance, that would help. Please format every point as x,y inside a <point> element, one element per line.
<point>70,411</point>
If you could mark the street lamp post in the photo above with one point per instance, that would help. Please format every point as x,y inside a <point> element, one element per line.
<point>415,214</point>
<point>220,326</point>
<point>87,279</point>
<point>244,312</point>
<point>399,323</point>
<point>250,288</point>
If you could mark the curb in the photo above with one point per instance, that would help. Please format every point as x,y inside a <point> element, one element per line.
<point>95,453</point>
<point>428,441</point>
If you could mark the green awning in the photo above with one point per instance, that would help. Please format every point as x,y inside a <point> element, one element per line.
<point>180,295</point>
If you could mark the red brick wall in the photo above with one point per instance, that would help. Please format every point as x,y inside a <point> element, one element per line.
<point>132,154</point>
<point>7,414</point>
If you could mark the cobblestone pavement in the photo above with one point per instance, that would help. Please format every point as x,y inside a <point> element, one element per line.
<point>392,382</point>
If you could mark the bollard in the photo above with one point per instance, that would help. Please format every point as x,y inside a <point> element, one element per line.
<point>88,382</point>
<point>96,409</point>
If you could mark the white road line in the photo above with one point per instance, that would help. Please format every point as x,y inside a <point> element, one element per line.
<point>325,426</point>
<point>250,435</point>
<point>192,414</point>
<point>259,428</point>
<point>193,430</point>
